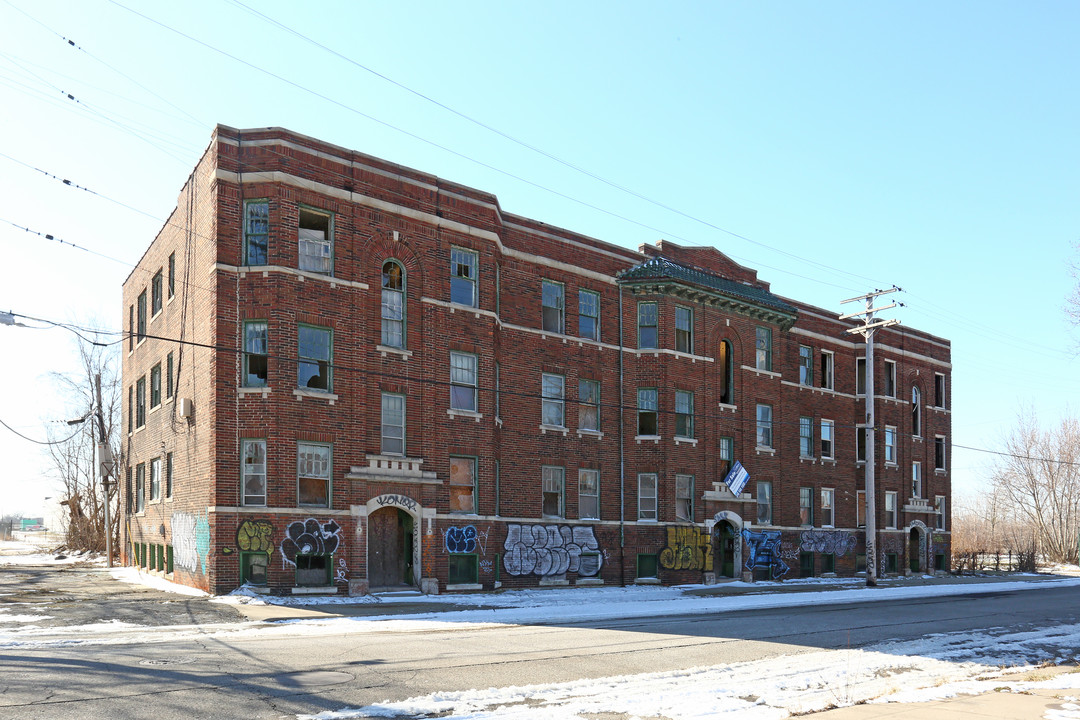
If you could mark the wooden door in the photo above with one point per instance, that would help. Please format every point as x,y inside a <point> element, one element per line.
<point>386,548</point>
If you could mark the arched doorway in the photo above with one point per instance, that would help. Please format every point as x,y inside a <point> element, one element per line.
<point>390,548</point>
<point>915,550</point>
<point>726,537</point>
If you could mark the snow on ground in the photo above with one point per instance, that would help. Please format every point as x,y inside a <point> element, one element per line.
<point>939,666</point>
<point>133,576</point>
<point>28,552</point>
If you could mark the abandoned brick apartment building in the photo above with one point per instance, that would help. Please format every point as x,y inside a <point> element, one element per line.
<point>344,375</point>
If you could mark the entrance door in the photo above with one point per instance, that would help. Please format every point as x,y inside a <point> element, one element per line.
<point>725,551</point>
<point>389,548</point>
<point>914,556</point>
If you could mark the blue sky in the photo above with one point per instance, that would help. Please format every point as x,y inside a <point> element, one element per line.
<point>835,147</point>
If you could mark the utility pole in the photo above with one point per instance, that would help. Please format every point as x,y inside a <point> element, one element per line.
<point>867,329</point>
<point>105,466</point>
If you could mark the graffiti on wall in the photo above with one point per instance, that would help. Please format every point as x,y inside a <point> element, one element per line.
<point>688,548</point>
<point>341,575</point>
<point>889,544</point>
<point>403,501</point>
<point>191,540</point>
<point>255,536</point>
<point>764,552</point>
<point>834,542</point>
<point>466,539</point>
<point>551,550</point>
<point>310,537</point>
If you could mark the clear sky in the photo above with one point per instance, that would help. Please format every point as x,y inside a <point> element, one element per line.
<point>836,147</point>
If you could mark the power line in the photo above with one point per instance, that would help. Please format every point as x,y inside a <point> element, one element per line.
<point>1016,456</point>
<point>39,442</point>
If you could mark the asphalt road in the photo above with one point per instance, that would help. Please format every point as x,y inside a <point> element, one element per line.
<point>251,677</point>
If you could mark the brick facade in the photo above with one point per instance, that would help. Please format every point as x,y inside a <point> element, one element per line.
<point>431,423</point>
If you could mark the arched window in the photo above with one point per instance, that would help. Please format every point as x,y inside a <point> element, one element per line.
<point>727,373</point>
<point>393,305</point>
<point>916,412</point>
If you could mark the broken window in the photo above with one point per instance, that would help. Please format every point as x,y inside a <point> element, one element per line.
<point>316,241</point>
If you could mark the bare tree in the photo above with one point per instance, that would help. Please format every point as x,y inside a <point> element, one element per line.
<point>74,459</point>
<point>1039,480</point>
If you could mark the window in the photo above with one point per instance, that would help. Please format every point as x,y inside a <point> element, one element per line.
<point>314,369</point>
<point>726,451</point>
<point>939,452</point>
<point>589,494</point>
<point>763,349</point>
<point>155,386</point>
<point>647,326</point>
<point>462,381</point>
<point>684,498</point>
<point>169,375</point>
<point>806,507</point>
<point>684,329</point>
<point>939,390</point>
<point>828,498</point>
<point>860,376</point>
<point>916,412</point>
<point>647,403</point>
<point>860,443</point>
<point>463,277</point>
<point>393,424</point>
<point>131,408</point>
<point>253,567</point>
<point>131,328</point>
<point>553,479</point>
<point>313,474</point>
<point>726,369</point>
<point>827,365</point>
<point>140,402</point>
<point>827,439</point>
<point>764,503</point>
<point>155,293</point>
<point>890,509</point>
<point>646,496</point>
<point>553,410</point>
<point>589,405</point>
<point>806,564</point>
<point>393,305</point>
<point>648,566</point>
<point>806,437</point>
<point>916,479</point>
<point>312,570</point>
<point>140,484</point>
<point>684,414</point>
<point>806,365</point>
<point>256,232</point>
<point>860,508</point>
<point>764,426</point>
<point>168,475</point>
<point>141,304</point>
<point>828,563</point>
<point>589,314</point>
<point>155,479</point>
<point>890,379</point>
<point>256,354</point>
<point>890,444</point>
<point>939,508</point>
<point>498,394</point>
<point>463,484</point>
<point>253,472</point>
<point>553,301</point>
<point>172,274</point>
<point>463,569</point>
<point>316,238</point>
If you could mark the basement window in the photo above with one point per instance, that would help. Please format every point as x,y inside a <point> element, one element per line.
<point>312,570</point>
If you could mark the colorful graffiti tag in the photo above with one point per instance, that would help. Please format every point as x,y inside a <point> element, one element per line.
<point>764,552</point>
<point>255,536</point>
<point>546,550</point>
<point>466,539</point>
<point>191,541</point>
<point>309,537</point>
<point>835,542</point>
<point>688,548</point>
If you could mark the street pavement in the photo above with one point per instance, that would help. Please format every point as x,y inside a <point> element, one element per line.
<point>85,593</point>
